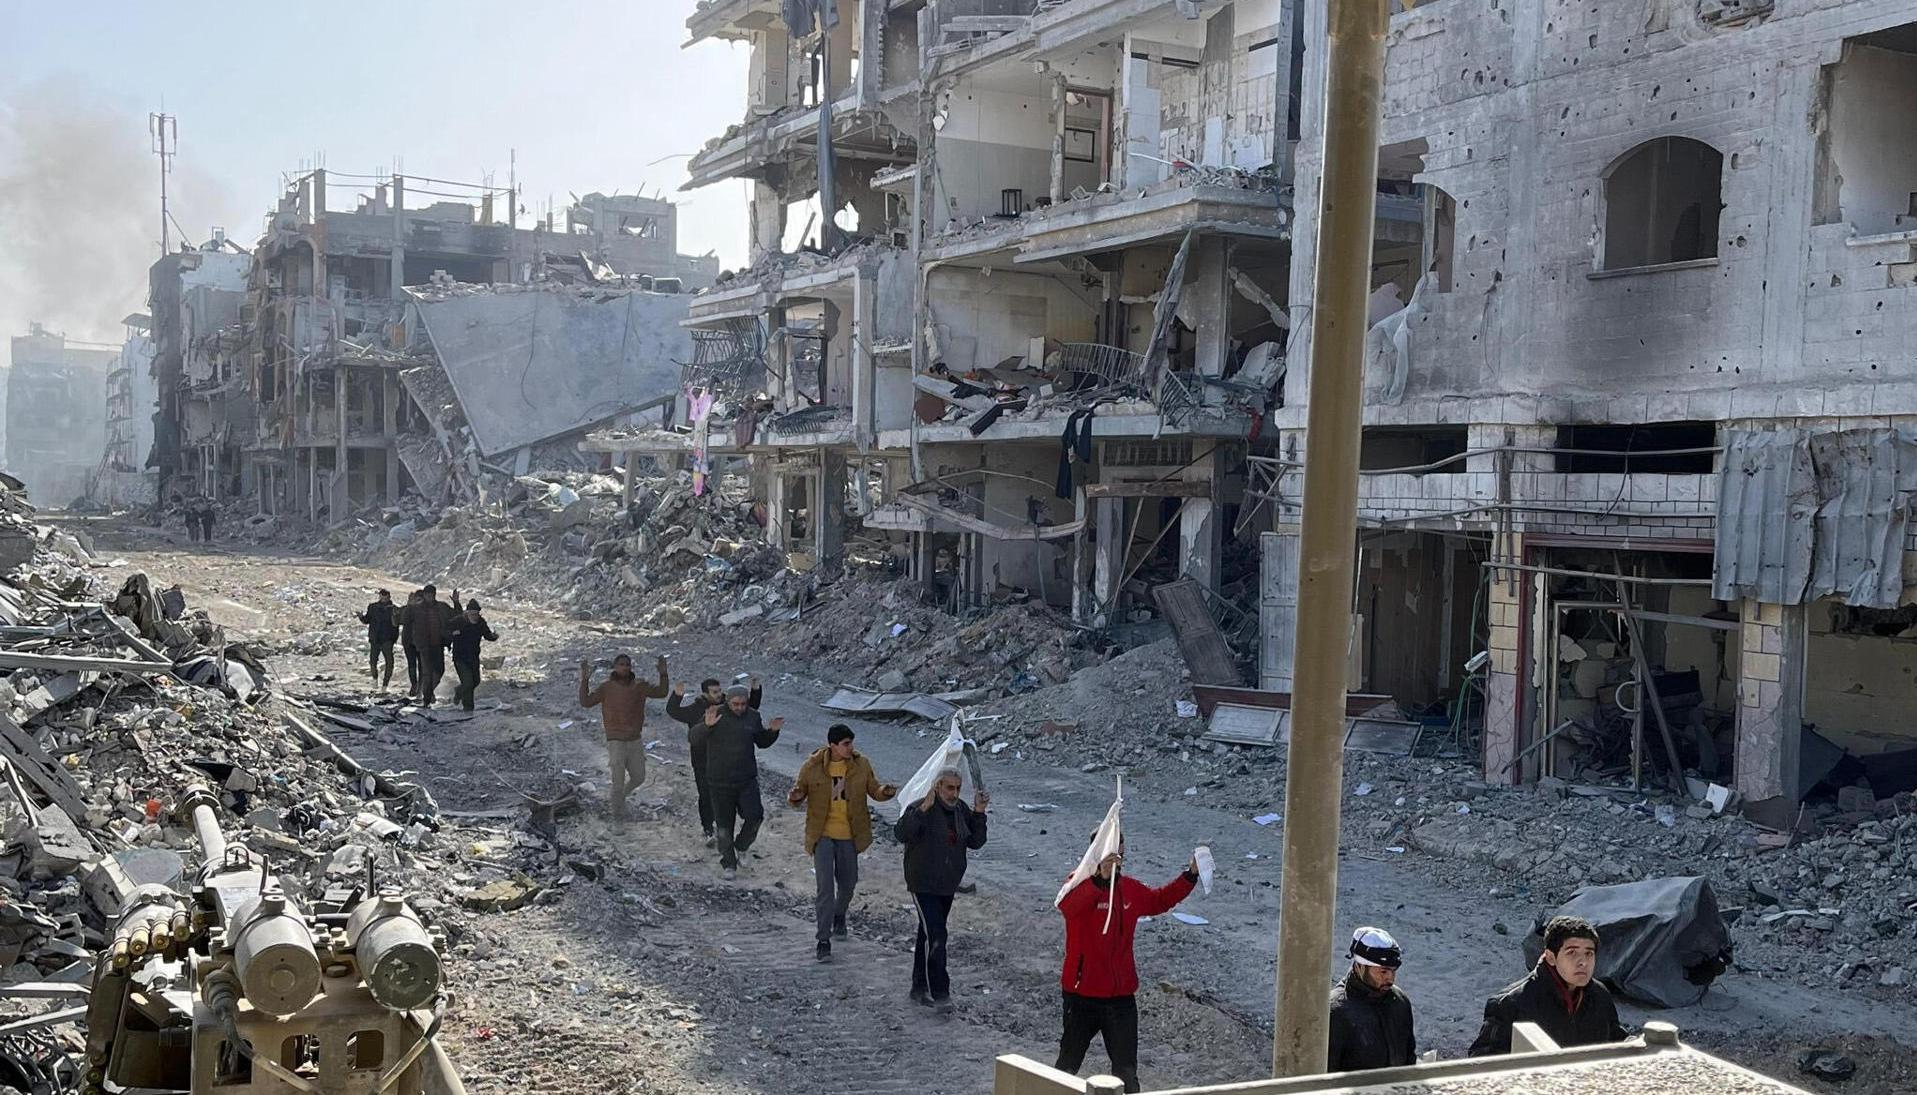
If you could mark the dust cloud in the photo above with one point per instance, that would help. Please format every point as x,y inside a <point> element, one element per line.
<point>80,211</point>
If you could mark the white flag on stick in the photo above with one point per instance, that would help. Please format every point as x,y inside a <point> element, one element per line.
<point>1105,842</point>
<point>949,754</point>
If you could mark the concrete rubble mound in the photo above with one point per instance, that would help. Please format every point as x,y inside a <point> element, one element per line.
<point>115,699</point>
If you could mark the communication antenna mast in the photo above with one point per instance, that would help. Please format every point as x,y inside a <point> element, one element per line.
<point>165,131</point>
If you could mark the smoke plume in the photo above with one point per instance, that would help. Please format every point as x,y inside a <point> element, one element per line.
<point>80,211</point>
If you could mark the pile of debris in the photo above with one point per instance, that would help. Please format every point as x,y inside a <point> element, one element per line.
<point>114,701</point>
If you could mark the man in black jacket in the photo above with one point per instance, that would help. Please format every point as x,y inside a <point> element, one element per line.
<point>469,630</point>
<point>1561,995</point>
<point>1370,1016</point>
<point>728,734</point>
<point>692,712</point>
<point>936,832</point>
<point>382,630</point>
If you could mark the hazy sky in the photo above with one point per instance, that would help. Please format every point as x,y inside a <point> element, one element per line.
<point>590,93</point>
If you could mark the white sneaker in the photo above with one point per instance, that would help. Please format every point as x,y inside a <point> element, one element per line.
<point>729,873</point>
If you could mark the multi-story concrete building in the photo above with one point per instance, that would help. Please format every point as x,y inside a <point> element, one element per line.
<point>331,327</point>
<point>1043,314</point>
<point>203,416</point>
<point>56,414</point>
<point>123,480</point>
<point>1644,431</point>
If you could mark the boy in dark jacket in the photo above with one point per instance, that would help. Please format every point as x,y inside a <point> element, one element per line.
<point>936,832</point>
<point>729,734</point>
<point>1100,979</point>
<point>382,629</point>
<point>692,712</point>
<point>469,631</point>
<point>1370,1016</point>
<point>1561,995</point>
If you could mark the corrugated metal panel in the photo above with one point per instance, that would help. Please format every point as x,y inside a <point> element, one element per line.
<point>1803,516</point>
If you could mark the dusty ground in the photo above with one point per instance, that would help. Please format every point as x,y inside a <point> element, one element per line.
<point>659,976</point>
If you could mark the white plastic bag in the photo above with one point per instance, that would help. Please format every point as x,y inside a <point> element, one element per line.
<point>1205,867</point>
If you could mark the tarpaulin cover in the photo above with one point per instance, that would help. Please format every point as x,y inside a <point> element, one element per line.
<point>1661,941</point>
<point>1804,515</point>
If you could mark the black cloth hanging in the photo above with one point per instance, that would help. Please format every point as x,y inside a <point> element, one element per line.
<point>1074,446</point>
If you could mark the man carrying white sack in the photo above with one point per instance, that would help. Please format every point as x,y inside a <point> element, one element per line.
<point>1100,979</point>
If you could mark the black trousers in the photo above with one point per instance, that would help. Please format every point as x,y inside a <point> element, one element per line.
<point>928,947</point>
<point>1113,1017</point>
<point>468,680</point>
<point>704,787</point>
<point>432,668</point>
<point>375,653</point>
<point>412,668</point>
<point>736,804</point>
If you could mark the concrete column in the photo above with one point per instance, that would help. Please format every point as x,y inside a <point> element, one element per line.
<point>1505,609</point>
<point>1770,700</point>
<point>342,492</point>
<point>399,239</point>
<point>625,479</point>
<point>865,294</point>
<point>319,193</point>
<point>1277,607</point>
<point>1109,565</point>
<point>1058,139</point>
<point>778,360</point>
<point>1081,559</point>
<point>828,507</point>
<point>1208,295</point>
<point>842,44</point>
<point>767,225</point>
<point>1201,539</point>
<point>778,501</point>
<point>390,395</point>
<point>768,80</point>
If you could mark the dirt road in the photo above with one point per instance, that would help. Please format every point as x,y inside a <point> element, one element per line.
<point>647,972</point>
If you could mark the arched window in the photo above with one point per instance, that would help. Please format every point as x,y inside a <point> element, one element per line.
<point>1661,204</point>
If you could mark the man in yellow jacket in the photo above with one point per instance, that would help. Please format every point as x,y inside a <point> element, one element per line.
<point>833,786</point>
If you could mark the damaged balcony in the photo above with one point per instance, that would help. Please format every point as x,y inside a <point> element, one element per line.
<point>756,148</point>
<point>733,20</point>
<point>1208,200</point>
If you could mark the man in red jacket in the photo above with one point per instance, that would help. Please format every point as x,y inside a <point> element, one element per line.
<point>1100,979</point>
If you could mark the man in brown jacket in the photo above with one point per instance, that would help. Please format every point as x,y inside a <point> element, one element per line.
<point>623,702</point>
<point>833,785</point>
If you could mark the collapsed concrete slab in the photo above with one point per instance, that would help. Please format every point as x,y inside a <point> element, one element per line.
<point>533,365</point>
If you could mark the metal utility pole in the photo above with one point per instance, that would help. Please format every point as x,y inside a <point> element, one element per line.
<point>166,139</point>
<point>1315,775</point>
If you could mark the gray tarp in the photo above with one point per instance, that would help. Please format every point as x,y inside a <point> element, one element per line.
<point>1662,941</point>
<point>1805,515</point>
<point>536,364</point>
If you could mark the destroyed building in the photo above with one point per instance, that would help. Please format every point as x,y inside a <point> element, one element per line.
<point>340,367</point>
<point>1639,393</point>
<point>56,412</point>
<point>202,416</point>
<point>122,479</point>
<point>1038,326</point>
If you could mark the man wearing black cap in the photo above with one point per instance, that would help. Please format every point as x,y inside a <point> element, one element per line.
<point>1370,1015</point>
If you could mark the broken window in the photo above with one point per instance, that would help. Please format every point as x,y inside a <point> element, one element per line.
<point>1671,448</point>
<point>1662,200</point>
<point>1867,173</point>
<point>1412,448</point>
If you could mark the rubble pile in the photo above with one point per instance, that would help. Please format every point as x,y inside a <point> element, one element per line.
<point>111,707</point>
<point>878,635</point>
<point>1834,900</point>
